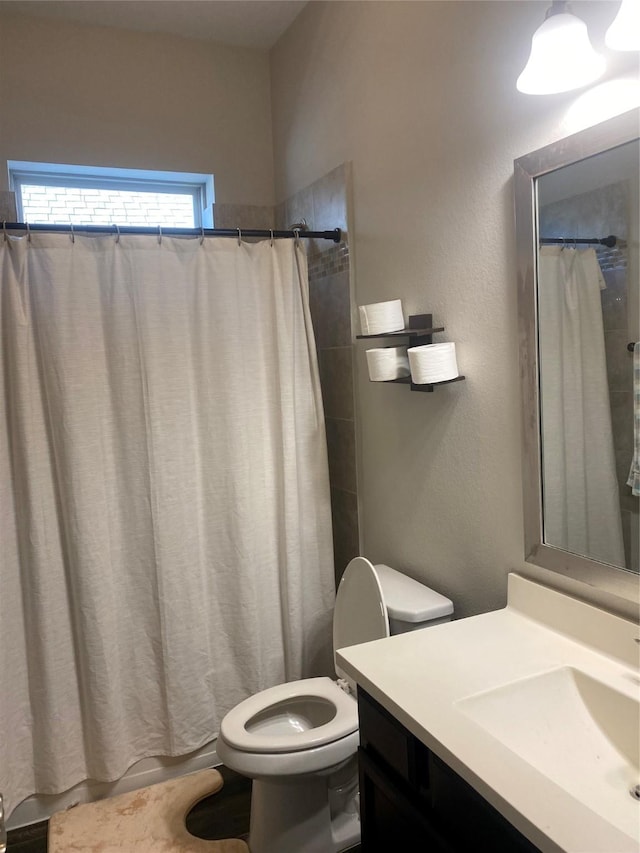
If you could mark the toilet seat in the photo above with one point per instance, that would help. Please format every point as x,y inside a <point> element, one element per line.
<point>253,725</point>
<point>308,714</point>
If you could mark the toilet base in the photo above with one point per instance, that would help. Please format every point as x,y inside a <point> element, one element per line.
<point>308,814</point>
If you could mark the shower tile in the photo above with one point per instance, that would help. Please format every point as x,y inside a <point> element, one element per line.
<point>330,200</point>
<point>622,420</point>
<point>330,304</point>
<point>330,204</point>
<point>341,449</point>
<point>242,216</point>
<point>614,300</point>
<point>336,378</point>
<point>346,542</point>
<point>280,216</point>
<point>8,206</point>
<point>299,207</point>
<point>324,206</point>
<point>619,361</point>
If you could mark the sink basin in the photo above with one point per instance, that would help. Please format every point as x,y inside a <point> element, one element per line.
<point>576,730</point>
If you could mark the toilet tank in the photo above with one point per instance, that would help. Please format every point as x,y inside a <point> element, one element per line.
<point>410,604</point>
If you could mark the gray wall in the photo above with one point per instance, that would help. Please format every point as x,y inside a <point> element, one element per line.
<point>99,96</point>
<point>421,98</point>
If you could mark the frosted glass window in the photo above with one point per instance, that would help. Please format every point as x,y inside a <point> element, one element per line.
<point>104,207</point>
<point>81,195</point>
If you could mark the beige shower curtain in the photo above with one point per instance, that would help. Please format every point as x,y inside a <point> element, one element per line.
<point>165,518</point>
<point>581,492</point>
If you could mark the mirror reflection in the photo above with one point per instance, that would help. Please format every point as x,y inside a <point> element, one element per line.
<point>588,323</point>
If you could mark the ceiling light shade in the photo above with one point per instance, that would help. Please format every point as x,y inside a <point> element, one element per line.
<point>562,57</point>
<point>624,32</point>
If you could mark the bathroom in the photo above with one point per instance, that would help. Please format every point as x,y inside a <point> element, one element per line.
<point>403,120</point>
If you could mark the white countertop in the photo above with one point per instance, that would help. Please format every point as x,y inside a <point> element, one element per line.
<point>421,678</point>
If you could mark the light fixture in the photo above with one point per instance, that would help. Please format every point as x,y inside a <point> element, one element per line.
<point>624,32</point>
<point>562,57</point>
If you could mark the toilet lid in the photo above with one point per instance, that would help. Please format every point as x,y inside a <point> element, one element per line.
<point>360,613</point>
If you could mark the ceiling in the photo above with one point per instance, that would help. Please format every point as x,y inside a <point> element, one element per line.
<point>250,23</point>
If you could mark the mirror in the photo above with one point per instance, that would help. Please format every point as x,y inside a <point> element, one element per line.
<point>578,313</point>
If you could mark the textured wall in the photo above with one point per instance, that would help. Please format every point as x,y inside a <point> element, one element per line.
<point>105,97</point>
<point>421,98</point>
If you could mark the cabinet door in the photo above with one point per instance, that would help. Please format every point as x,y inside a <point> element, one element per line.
<point>394,748</point>
<point>412,801</point>
<point>468,817</point>
<point>392,820</point>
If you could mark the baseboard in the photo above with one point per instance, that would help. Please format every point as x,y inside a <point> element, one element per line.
<point>148,771</point>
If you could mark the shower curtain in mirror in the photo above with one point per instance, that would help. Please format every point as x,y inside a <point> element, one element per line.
<point>581,493</point>
<point>165,519</point>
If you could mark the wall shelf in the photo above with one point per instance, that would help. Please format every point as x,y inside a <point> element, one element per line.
<point>403,333</point>
<point>420,331</point>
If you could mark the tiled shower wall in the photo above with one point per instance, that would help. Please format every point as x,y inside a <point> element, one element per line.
<point>325,206</point>
<point>599,213</point>
<point>7,206</point>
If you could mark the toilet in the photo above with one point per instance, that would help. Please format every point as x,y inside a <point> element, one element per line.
<point>298,741</point>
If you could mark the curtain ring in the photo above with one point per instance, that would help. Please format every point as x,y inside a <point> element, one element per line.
<point>73,236</point>
<point>201,234</point>
<point>296,233</point>
<point>159,235</point>
<point>271,231</point>
<point>117,227</point>
<point>28,232</point>
<point>239,237</point>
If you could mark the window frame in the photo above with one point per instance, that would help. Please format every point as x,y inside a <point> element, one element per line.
<point>199,186</point>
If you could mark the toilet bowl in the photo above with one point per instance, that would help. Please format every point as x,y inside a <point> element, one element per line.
<point>298,741</point>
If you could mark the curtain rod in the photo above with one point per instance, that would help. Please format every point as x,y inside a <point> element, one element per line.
<point>609,241</point>
<point>335,235</point>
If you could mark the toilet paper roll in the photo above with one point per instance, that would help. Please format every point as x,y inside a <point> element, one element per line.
<point>381,317</point>
<point>433,363</point>
<point>387,363</point>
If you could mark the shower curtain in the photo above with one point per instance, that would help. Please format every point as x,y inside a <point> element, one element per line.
<point>165,519</point>
<point>581,493</point>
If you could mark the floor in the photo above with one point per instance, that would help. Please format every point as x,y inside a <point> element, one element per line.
<point>223,815</point>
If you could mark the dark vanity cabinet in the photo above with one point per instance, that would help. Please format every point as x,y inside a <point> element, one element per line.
<point>411,800</point>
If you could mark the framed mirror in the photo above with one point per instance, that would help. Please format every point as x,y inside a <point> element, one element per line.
<point>577,234</point>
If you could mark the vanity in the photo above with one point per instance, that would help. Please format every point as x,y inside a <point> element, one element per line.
<point>411,799</point>
<point>515,730</point>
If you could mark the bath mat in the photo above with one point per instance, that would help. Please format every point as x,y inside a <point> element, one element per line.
<point>149,820</point>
